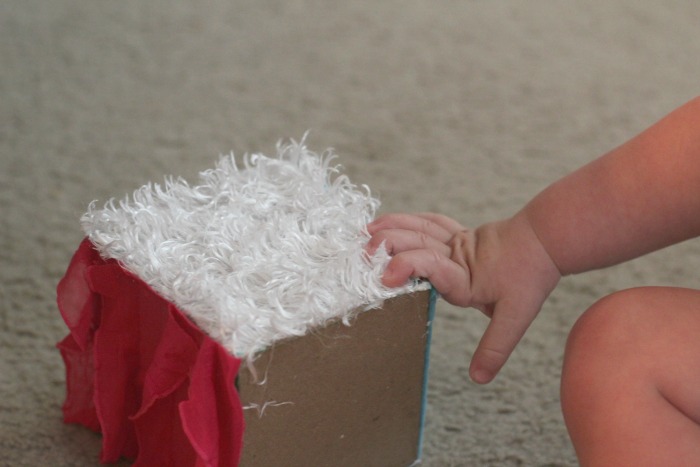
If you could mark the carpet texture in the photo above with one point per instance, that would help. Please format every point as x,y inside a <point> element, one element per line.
<point>465,108</point>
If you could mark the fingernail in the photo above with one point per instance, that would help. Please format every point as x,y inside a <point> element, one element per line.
<point>389,280</point>
<point>386,280</point>
<point>481,376</point>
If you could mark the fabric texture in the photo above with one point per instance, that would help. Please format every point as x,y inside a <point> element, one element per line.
<point>254,252</point>
<point>142,374</point>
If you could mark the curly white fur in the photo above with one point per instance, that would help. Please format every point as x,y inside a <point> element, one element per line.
<point>255,254</point>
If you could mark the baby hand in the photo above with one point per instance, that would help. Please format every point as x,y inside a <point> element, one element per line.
<point>499,268</point>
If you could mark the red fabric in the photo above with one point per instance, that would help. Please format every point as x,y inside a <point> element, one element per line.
<point>159,390</point>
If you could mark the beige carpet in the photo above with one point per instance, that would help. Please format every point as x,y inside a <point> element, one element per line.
<point>467,108</point>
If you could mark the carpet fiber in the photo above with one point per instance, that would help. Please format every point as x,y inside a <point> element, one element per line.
<point>466,108</point>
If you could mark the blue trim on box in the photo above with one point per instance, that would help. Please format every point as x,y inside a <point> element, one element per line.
<point>424,403</point>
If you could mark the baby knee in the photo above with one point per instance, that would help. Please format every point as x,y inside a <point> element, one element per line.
<point>613,323</point>
<point>604,338</point>
<point>608,322</point>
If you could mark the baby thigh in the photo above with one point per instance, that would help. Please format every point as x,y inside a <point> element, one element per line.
<point>631,379</point>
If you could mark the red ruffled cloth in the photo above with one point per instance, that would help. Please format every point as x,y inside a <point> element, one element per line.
<point>159,390</point>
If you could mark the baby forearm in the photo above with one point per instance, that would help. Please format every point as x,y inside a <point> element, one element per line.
<point>642,196</point>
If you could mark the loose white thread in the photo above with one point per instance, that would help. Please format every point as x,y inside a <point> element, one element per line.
<point>260,408</point>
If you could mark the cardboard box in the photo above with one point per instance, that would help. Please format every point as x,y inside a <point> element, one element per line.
<point>342,396</point>
<point>181,302</point>
<point>162,392</point>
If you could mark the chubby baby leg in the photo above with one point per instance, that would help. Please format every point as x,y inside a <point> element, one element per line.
<point>631,379</point>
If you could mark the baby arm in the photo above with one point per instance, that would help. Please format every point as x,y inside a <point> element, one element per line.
<point>640,197</point>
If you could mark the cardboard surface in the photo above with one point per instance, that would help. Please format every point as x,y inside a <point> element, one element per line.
<point>342,395</point>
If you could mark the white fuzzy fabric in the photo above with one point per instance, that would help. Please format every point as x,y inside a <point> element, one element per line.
<point>252,254</point>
